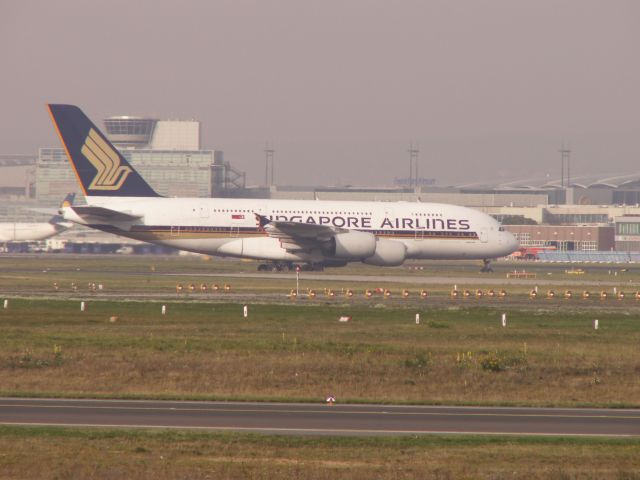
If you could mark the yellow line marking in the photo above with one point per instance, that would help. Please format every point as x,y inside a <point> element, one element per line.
<point>64,145</point>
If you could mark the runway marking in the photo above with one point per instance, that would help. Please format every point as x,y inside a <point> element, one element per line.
<point>321,430</point>
<point>352,406</point>
<point>328,410</point>
<point>337,406</point>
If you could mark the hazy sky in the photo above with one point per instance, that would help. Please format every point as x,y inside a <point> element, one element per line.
<point>488,88</point>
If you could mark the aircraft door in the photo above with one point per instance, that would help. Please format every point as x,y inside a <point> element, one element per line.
<point>419,232</point>
<point>203,211</point>
<point>389,214</point>
<point>238,219</point>
<point>484,235</point>
<point>175,230</point>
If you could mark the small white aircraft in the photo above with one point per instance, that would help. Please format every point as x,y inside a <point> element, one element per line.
<point>318,233</point>
<point>33,231</point>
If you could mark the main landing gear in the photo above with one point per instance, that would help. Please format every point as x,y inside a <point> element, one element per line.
<point>486,268</point>
<point>289,267</point>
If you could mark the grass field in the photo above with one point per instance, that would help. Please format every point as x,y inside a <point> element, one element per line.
<point>65,276</point>
<point>203,348</point>
<point>51,453</point>
<point>292,352</point>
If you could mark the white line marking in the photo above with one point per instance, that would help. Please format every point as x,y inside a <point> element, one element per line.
<point>346,405</point>
<point>327,410</point>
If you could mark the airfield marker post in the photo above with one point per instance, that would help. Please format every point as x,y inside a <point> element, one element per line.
<point>417,319</point>
<point>297,279</point>
<point>245,311</point>
<point>6,303</point>
<point>595,324</point>
<point>82,306</point>
<point>504,320</point>
<point>164,309</point>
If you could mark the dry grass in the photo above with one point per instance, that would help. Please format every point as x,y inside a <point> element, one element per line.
<point>303,353</point>
<point>48,453</point>
<point>548,355</point>
<point>158,275</point>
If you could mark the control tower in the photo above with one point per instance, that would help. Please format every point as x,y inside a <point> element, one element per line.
<point>130,132</point>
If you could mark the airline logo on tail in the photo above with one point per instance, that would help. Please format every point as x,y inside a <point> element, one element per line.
<point>110,174</point>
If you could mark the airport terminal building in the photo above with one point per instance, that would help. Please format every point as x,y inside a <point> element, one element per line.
<point>166,152</point>
<point>595,215</point>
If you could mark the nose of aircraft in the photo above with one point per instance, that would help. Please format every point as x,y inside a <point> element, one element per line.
<point>510,243</point>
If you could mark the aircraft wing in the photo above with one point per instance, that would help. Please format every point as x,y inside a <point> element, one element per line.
<point>296,235</point>
<point>108,215</point>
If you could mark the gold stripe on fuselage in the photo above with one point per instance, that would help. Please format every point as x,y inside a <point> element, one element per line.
<point>183,234</point>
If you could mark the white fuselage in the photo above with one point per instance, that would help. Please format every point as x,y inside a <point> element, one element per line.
<point>27,232</point>
<point>228,227</point>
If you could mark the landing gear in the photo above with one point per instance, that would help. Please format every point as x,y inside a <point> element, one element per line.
<point>486,268</point>
<point>289,267</point>
<point>312,267</point>
<point>276,267</point>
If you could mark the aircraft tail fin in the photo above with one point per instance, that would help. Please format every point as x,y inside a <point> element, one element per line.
<point>68,200</point>
<point>55,213</point>
<point>100,168</point>
<point>58,219</point>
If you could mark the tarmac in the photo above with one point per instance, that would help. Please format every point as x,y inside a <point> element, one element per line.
<point>321,419</point>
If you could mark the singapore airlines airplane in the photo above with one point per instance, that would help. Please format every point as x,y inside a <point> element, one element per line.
<point>33,231</point>
<point>314,232</point>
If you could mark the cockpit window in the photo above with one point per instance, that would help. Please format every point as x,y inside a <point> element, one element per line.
<point>501,229</point>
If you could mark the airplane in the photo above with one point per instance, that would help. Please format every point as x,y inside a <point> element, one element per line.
<point>33,231</point>
<point>313,233</point>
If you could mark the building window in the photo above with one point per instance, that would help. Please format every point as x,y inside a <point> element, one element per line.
<point>628,228</point>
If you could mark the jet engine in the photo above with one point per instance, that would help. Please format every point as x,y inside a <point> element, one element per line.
<point>388,253</point>
<point>353,245</point>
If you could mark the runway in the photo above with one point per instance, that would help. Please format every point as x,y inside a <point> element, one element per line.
<point>320,419</point>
